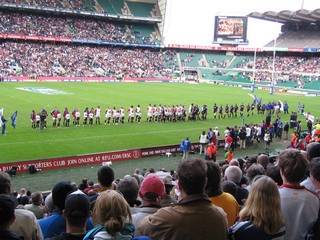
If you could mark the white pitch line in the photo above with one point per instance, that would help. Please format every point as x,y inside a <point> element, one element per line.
<point>99,136</point>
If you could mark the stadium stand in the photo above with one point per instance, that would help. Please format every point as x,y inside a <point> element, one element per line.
<point>34,59</point>
<point>115,7</point>
<point>44,26</point>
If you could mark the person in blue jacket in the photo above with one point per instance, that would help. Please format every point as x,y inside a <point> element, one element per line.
<point>185,147</point>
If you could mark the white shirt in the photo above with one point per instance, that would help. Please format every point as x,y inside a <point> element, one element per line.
<point>98,111</point>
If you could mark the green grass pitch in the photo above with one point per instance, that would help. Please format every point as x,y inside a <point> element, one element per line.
<point>25,143</point>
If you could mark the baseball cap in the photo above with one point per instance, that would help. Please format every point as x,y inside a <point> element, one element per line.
<point>152,184</point>
<point>77,206</point>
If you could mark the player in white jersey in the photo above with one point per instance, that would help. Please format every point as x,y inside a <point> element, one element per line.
<point>114,115</point>
<point>91,116</point>
<point>108,115</point>
<point>98,113</point>
<point>77,117</point>
<point>131,114</point>
<point>122,115</point>
<point>67,119</point>
<point>156,113</point>
<point>149,113</point>
<point>138,114</point>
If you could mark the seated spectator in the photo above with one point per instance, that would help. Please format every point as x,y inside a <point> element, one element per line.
<point>76,214</point>
<point>105,178</point>
<point>313,150</point>
<point>300,207</point>
<point>219,198</point>
<point>194,207</point>
<point>274,173</point>
<point>229,187</point>
<point>253,171</point>
<point>234,174</point>
<point>129,188</point>
<point>263,160</point>
<point>312,183</point>
<point>36,205</point>
<point>23,198</point>
<point>25,224</point>
<point>112,215</point>
<point>151,192</point>
<point>256,220</point>
<point>56,224</point>
<point>7,206</point>
<point>167,199</point>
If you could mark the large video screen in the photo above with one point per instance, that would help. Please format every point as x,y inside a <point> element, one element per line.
<point>230,29</point>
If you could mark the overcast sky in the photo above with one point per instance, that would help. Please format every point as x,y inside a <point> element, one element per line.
<point>192,21</point>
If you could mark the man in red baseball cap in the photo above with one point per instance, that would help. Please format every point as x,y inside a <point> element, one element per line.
<point>151,191</point>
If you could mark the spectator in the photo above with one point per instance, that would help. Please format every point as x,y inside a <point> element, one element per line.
<point>299,206</point>
<point>167,199</point>
<point>112,215</point>
<point>219,198</point>
<point>151,192</point>
<point>253,171</point>
<point>129,188</point>
<point>105,178</point>
<point>211,152</point>
<point>256,220</point>
<point>178,221</point>
<point>36,205</point>
<point>263,159</point>
<point>76,214</point>
<point>203,140</point>
<point>7,206</point>
<point>313,150</point>
<point>55,224</point>
<point>229,187</point>
<point>312,183</point>
<point>25,224</point>
<point>234,174</point>
<point>274,173</point>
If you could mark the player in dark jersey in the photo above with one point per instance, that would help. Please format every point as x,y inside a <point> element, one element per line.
<point>253,106</point>
<point>248,108</point>
<point>215,110</point>
<point>204,112</point>
<point>33,119</point>
<point>231,111</point>
<point>220,112</point>
<point>236,108</point>
<point>241,109</point>
<point>226,111</point>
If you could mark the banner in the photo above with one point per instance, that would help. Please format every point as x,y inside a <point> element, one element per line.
<point>96,158</point>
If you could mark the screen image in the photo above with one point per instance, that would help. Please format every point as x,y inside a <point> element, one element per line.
<point>230,29</point>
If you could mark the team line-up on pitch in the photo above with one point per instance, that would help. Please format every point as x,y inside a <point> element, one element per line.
<point>155,113</point>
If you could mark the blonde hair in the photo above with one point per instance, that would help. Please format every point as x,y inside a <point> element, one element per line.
<point>112,211</point>
<point>263,206</point>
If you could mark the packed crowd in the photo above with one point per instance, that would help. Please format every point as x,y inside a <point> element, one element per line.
<point>78,28</point>
<point>33,60</point>
<point>255,197</point>
<point>45,3</point>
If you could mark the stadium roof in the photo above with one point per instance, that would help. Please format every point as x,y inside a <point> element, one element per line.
<point>286,16</point>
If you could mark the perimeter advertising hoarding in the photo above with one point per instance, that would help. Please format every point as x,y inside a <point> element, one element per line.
<point>230,29</point>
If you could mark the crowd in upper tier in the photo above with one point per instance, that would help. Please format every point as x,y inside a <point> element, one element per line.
<point>78,28</point>
<point>33,59</point>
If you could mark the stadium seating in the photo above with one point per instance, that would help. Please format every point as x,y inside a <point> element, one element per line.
<point>140,9</point>
<point>301,39</point>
